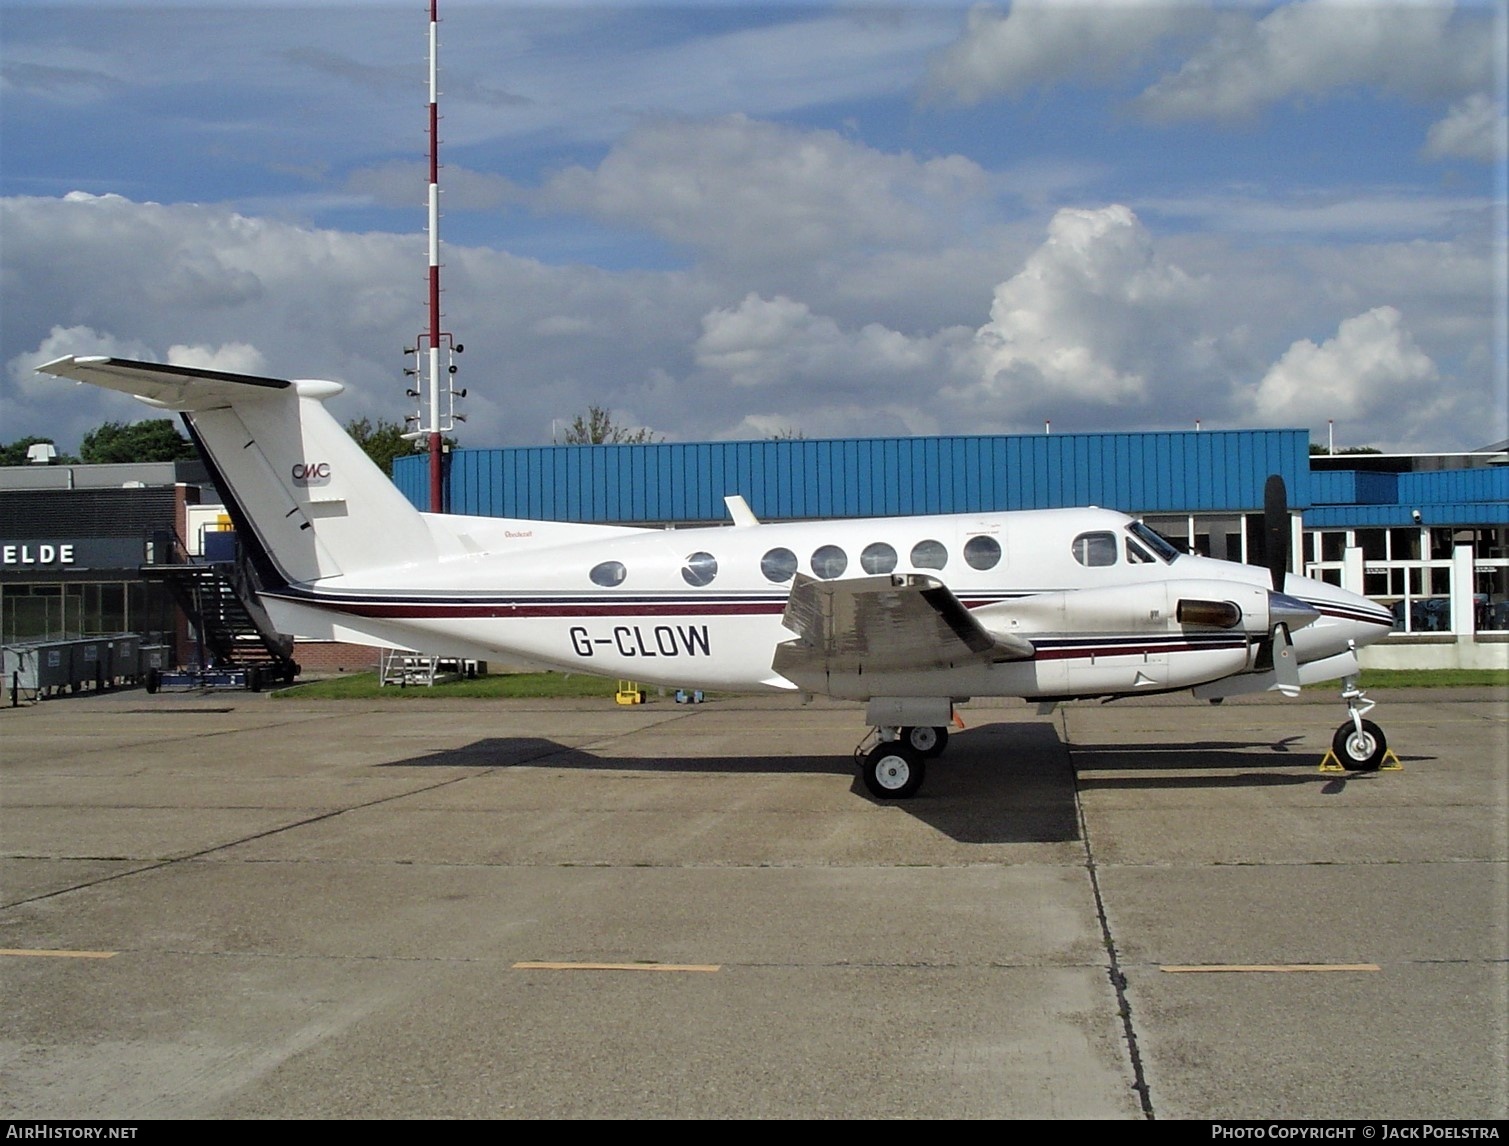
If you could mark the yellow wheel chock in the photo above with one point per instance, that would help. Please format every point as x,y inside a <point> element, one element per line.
<point>1391,762</point>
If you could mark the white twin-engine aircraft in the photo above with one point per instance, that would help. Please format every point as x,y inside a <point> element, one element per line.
<point>910,615</point>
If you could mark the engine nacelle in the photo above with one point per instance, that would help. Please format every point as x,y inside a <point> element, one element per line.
<point>1151,607</point>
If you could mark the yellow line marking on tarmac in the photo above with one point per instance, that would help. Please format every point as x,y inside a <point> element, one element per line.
<point>704,967</point>
<point>60,954</point>
<point>1270,967</point>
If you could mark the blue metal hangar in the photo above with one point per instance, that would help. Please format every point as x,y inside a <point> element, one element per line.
<point>1426,535</point>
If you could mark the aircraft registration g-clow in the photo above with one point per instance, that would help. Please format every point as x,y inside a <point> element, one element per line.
<point>910,615</point>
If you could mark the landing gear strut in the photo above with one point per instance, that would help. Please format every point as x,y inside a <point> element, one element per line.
<point>1359,744</point>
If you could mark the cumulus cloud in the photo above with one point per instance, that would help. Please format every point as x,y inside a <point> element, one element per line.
<point>1083,320</point>
<point>1042,42</point>
<point>738,188</point>
<point>1095,322</point>
<point>40,404</point>
<point>231,358</point>
<point>1371,365</point>
<point>1476,128</point>
<point>780,342</point>
<point>1305,49</point>
<point>406,184</point>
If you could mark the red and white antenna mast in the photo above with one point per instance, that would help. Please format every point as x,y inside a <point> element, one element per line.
<point>426,350</point>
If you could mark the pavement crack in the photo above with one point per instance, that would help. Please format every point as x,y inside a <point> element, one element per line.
<point>1114,967</point>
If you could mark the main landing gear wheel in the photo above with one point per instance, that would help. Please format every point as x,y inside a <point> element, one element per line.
<point>893,770</point>
<point>1360,751</point>
<point>927,740</point>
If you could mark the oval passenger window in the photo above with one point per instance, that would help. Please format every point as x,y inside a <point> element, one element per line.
<point>700,569</point>
<point>929,555</point>
<point>608,574</point>
<point>878,558</point>
<point>778,565</point>
<point>829,562</point>
<point>982,552</point>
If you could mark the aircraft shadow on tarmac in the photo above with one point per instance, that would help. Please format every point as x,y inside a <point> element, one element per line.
<point>1002,782</point>
<point>1209,764</point>
<point>999,783</point>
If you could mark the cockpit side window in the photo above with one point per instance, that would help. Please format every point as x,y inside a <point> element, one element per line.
<point>1095,549</point>
<point>1160,545</point>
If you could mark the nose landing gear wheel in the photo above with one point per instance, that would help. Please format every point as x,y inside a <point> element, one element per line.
<point>1360,751</point>
<point>893,770</point>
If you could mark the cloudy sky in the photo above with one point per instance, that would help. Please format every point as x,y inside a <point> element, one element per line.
<point>726,220</point>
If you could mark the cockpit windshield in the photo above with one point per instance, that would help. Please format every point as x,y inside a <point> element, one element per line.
<point>1154,540</point>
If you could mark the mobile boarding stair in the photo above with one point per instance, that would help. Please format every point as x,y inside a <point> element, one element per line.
<point>237,644</point>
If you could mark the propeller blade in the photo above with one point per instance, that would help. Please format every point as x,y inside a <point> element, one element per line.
<point>1276,529</point>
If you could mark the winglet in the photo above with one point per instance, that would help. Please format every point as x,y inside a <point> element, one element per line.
<point>739,510</point>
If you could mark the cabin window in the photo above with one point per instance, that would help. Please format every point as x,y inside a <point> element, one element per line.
<point>929,555</point>
<point>878,558</point>
<point>1095,549</point>
<point>982,552</point>
<point>608,574</point>
<point>829,561</point>
<point>778,565</point>
<point>700,569</point>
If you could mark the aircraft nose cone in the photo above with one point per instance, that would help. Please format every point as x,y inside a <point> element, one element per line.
<point>1350,614</point>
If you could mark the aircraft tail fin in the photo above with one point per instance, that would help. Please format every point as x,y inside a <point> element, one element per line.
<point>311,499</point>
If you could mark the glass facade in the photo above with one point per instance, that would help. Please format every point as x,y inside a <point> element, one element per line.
<point>63,610</point>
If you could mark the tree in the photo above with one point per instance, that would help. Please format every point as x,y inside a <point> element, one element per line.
<point>1317,448</point>
<point>154,440</point>
<point>598,428</point>
<point>14,454</point>
<point>788,434</point>
<point>384,442</point>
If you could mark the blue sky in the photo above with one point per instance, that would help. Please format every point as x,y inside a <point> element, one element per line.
<point>725,220</point>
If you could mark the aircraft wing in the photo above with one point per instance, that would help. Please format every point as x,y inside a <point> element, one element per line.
<point>876,624</point>
<point>172,387</point>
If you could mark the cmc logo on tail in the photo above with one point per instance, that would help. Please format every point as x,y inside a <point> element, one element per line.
<point>311,473</point>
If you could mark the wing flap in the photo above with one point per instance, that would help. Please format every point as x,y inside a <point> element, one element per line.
<point>880,624</point>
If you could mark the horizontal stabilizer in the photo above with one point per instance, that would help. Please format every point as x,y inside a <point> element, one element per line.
<point>171,387</point>
<point>308,504</point>
<point>877,624</point>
